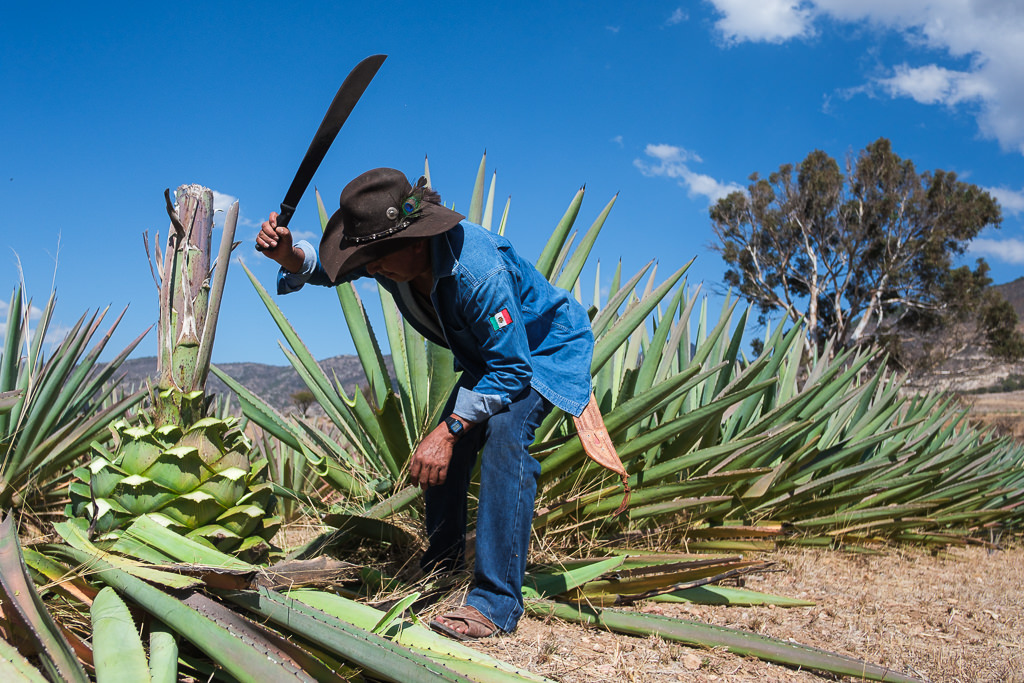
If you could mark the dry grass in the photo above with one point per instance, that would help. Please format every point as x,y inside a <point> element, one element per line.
<point>958,616</point>
<point>1004,411</point>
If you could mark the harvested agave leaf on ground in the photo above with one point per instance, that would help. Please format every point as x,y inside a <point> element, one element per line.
<point>318,571</point>
<point>729,595</point>
<point>707,635</point>
<point>74,535</point>
<point>470,662</point>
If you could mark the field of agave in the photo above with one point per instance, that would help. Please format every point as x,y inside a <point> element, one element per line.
<point>155,512</point>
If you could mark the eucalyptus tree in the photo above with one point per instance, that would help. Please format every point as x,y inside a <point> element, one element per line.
<point>864,254</point>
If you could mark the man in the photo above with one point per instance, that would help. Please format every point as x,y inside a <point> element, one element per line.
<point>522,345</point>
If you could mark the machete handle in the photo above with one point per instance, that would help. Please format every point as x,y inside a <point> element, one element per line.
<point>282,219</point>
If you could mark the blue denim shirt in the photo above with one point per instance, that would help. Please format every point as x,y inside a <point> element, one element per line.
<point>507,326</point>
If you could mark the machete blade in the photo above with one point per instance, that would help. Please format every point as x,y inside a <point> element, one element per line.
<point>342,105</point>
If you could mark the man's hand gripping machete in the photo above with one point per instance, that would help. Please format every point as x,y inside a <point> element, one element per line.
<point>348,94</point>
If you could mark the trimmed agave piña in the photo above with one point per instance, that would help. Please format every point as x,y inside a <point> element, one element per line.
<point>190,470</point>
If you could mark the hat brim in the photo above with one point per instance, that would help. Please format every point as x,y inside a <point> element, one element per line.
<point>339,261</point>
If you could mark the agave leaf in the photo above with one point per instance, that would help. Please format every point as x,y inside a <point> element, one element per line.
<point>58,577</point>
<point>16,669</point>
<point>229,651</point>
<point>474,664</point>
<point>626,324</point>
<point>147,530</point>
<point>549,256</point>
<point>75,537</point>
<point>377,655</point>
<point>726,595</point>
<point>265,642</point>
<point>544,585</point>
<point>9,399</point>
<point>21,600</point>
<point>571,272</point>
<point>488,216</point>
<point>706,635</point>
<point>163,653</point>
<point>476,202</point>
<point>117,648</point>
<point>396,611</point>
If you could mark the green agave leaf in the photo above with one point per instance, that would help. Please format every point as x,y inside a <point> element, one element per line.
<point>542,585</point>
<point>396,611</point>
<point>117,648</point>
<point>16,669</point>
<point>163,653</point>
<point>266,642</point>
<point>74,535</point>
<point>571,272</point>
<point>476,202</point>
<point>230,652</point>
<point>377,655</point>
<point>474,664</point>
<point>150,532</point>
<point>549,256</point>
<point>9,399</point>
<point>726,595</point>
<point>21,600</point>
<point>706,635</point>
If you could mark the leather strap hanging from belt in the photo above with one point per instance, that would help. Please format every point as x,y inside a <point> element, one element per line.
<point>597,444</point>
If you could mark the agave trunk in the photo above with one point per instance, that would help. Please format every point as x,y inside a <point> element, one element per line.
<point>192,469</point>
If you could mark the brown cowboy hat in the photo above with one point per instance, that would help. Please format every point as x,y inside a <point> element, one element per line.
<point>380,211</point>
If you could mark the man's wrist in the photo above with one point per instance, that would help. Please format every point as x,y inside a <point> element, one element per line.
<point>456,426</point>
<point>295,261</point>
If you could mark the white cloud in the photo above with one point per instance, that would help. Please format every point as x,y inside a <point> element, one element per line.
<point>673,162</point>
<point>617,140</point>
<point>614,29</point>
<point>1007,251</point>
<point>221,203</point>
<point>678,17</point>
<point>933,84</point>
<point>1012,201</point>
<point>986,34</point>
<point>769,21</point>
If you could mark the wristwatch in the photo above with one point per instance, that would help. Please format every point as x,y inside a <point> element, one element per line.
<point>455,428</point>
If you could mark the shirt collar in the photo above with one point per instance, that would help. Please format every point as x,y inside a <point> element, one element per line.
<point>443,260</point>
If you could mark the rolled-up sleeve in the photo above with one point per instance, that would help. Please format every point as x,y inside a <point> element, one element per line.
<point>312,272</point>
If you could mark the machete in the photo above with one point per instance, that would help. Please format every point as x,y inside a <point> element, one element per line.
<point>344,101</point>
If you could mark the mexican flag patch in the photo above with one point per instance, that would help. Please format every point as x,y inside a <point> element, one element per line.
<point>500,319</point>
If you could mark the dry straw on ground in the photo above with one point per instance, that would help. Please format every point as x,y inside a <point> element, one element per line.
<point>957,616</point>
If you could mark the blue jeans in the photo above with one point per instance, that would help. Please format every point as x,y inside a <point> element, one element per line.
<point>508,489</point>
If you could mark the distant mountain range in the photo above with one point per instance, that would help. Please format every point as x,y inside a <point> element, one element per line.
<point>1014,293</point>
<point>275,384</point>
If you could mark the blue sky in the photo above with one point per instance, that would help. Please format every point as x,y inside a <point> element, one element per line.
<point>668,104</point>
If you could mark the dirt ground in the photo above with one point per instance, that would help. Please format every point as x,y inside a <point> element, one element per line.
<point>1004,411</point>
<point>957,616</point>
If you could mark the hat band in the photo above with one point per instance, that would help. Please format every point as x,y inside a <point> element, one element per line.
<point>399,227</point>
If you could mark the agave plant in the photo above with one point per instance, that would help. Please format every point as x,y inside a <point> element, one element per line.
<point>43,398</point>
<point>206,612</point>
<point>190,469</point>
<point>743,453</point>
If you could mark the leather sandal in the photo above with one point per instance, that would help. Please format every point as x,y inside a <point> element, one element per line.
<point>477,625</point>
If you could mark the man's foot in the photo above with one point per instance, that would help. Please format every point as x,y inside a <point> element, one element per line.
<point>465,623</point>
